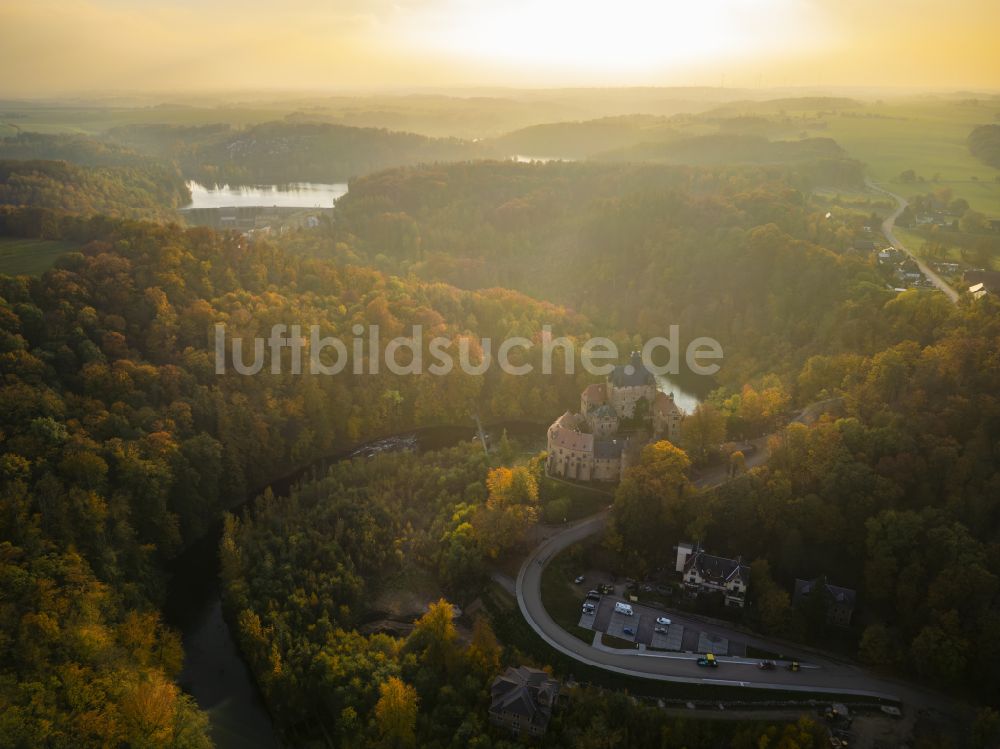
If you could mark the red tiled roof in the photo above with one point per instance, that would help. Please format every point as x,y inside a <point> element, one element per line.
<point>564,433</point>
<point>595,394</point>
<point>664,404</point>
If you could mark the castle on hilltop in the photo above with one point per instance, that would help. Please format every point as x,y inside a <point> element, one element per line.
<point>587,445</point>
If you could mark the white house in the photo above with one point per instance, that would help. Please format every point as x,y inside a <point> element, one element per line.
<point>705,573</point>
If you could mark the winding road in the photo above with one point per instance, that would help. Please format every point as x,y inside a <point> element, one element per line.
<point>887,229</point>
<point>819,673</point>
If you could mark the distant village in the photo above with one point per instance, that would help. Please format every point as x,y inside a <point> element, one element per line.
<point>902,273</point>
<point>931,216</point>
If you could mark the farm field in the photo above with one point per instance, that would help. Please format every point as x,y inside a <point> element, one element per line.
<point>29,257</point>
<point>927,136</point>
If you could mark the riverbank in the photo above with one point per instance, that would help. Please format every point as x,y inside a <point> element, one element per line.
<point>214,672</point>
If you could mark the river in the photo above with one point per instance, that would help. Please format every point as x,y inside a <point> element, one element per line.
<point>688,388</point>
<point>214,672</point>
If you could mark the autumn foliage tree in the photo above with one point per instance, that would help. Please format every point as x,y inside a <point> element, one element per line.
<point>511,509</point>
<point>396,713</point>
<point>649,504</point>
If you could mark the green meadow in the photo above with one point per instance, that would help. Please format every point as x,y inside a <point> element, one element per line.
<point>927,136</point>
<point>29,257</point>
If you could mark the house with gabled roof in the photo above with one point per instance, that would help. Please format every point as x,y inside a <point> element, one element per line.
<point>522,699</point>
<point>990,280</point>
<point>706,573</point>
<point>839,602</point>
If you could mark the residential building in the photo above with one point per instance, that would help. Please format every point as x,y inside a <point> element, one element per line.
<point>706,573</point>
<point>521,700</point>
<point>839,601</point>
<point>990,279</point>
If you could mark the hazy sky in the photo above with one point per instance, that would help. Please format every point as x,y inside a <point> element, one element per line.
<point>69,46</point>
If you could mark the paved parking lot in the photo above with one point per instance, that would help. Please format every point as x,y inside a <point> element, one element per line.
<point>642,622</point>
<point>619,622</point>
<point>712,644</point>
<point>671,640</point>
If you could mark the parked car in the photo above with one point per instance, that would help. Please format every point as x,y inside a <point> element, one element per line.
<point>660,630</point>
<point>663,620</point>
<point>623,608</point>
<point>593,595</point>
<point>708,660</point>
<point>628,630</point>
<point>579,579</point>
<point>589,608</point>
<point>766,665</point>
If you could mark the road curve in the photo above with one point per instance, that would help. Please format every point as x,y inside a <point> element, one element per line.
<point>887,230</point>
<point>822,676</point>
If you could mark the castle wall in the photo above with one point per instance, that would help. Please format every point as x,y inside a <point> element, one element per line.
<point>607,470</point>
<point>571,445</point>
<point>602,427</point>
<point>571,464</point>
<point>623,399</point>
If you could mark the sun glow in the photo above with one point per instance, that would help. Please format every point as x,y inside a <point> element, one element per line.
<point>81,45</point>
<point>602,39</point>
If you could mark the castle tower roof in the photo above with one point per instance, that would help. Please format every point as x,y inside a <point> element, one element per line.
<point>633,374</point>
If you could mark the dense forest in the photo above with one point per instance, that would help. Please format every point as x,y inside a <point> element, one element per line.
<point>984,143</point>
<point>77,149</point>
<point>283,152</point>
<point>579,140</point>
<point>737,254</point>
<point>894,493</point>
<point>119,191</point>
<point>333,542</point>
<point>120,443</point>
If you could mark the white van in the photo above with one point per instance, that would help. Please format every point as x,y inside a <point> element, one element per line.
<point>623,608</point>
